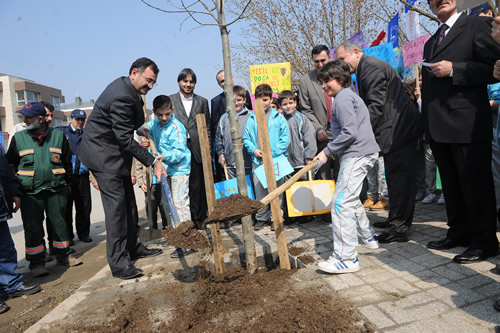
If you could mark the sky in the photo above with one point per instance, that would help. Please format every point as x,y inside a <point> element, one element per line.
<point>81,46</point>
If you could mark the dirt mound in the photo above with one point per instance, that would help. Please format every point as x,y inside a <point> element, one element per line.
<point>295,251</point>
<point>186,235</point>
<point>233,207</point>
<point>306,259</point>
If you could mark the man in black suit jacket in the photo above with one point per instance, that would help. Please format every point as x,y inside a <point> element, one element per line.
<point>217,109</point>
<point>107,149</point>
<point>186,106</point>
<point>395,122</point>
<point>458,125</point>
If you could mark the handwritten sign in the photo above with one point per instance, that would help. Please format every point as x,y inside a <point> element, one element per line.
<point>383,52</point>
<point>413,51</point>
<point>276,75</point>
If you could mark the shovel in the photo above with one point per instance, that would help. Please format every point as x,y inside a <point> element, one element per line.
<point>315,164</point>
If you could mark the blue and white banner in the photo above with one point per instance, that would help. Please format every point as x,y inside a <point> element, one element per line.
<point>393,31</point>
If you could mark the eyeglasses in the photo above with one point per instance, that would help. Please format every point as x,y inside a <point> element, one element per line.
<point>152,82</point>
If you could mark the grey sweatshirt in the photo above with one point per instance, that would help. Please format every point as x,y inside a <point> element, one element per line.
<point>351,128</point>
<point>302,139</point>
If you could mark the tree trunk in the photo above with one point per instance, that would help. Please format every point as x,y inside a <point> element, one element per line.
<point>248,237</point>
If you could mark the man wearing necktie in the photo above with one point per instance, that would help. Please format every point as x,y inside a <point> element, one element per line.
<point>458,126</point>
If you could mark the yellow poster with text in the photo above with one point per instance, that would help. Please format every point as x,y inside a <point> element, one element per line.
<point>276,75</point>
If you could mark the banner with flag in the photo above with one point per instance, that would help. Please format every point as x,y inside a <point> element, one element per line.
<point>393,31</point>
<point>383,52</point>
<point>411,24</point>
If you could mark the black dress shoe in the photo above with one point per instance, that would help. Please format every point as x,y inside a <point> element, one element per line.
<point>181,252</point>
<point>444,244</point>
<point>26,289</point>
<point>381,225</point>
<point>472,255</point>
<point>86,239</point>
<point>144,252</point>
<point>386,237</point>
<point>128,272</point>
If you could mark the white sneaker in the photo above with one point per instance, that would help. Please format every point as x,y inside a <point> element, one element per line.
<point>441,199</point>
<point>371,243</point>
<point>335,266</point>
<point>429,198</point>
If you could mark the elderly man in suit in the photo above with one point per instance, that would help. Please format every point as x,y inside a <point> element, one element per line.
<point>186,106</point>
<point>395,123</point>
<point>458,125</point>
<point>317,105</point>
<point>107,149</point>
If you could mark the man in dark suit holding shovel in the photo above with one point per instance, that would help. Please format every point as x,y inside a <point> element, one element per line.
<point>107,148</point>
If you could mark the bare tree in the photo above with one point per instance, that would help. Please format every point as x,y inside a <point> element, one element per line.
<point>287,30</point>
<point>213,13</point>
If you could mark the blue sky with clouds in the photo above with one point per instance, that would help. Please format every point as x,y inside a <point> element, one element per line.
<point>81,46</point>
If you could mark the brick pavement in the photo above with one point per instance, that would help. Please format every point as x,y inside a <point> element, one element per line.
<point>405,287</point>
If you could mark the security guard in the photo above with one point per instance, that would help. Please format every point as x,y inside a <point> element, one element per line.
<point>42,159</point>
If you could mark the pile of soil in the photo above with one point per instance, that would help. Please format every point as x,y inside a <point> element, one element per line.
<point>295,251</point>
<point>269,301</point>
<point>186,235</point>
<point>233,207</point>
<point>306,259</point>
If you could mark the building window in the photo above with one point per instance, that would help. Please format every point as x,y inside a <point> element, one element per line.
<point>56,101</point>
<point>32,96</point>
<point>21,99</point>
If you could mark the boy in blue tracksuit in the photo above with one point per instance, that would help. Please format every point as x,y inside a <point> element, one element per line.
<point>170,138</point>
<point>354,144</point>
<point>302,148</point>
<point>279,138</point>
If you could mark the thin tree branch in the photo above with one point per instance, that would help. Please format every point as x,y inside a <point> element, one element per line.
<point>421,12</point>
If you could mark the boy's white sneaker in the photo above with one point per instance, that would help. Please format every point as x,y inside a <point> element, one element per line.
<point>335,266</point>
<point>371,243</point>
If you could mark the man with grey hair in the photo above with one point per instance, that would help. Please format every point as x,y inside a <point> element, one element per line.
<point>395,123</point>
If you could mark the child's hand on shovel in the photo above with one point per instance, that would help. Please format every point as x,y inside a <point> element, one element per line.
<point>158,169</point>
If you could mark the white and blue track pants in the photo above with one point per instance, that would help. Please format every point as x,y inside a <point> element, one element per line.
<point>349,220</point>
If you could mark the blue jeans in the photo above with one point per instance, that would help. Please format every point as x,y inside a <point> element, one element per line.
<point>9,280</point>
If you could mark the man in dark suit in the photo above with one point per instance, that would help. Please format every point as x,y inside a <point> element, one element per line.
<point>458,125</point>
<point>186,106</point>
<point>317,105</point>
<point>395,122</point>
<point>107,149</point>
<point>217,109</point>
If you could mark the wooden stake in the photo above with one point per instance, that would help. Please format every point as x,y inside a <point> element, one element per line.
<point>209,187</point>
<point>225,172</point>
<point>271,184</point>
<point>313,201</point>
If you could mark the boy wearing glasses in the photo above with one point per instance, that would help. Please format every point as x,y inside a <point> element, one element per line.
<point>355,146</point>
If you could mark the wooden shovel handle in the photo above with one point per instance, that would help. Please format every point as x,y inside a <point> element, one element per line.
<point>271,196</point>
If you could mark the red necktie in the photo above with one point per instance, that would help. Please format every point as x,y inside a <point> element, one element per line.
<point>328,101</point>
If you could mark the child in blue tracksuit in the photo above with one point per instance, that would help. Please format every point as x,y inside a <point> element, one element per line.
<point>170,138</point>
<point>354,144</point>
<point>279,138</point>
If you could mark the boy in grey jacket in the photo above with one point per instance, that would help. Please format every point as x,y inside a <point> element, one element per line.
<point>223,139</point>
<point>354,144</point>
<point>302,146</point>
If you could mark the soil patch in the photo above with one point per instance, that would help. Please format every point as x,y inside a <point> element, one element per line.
<point>295,251</point>
<point>232,208</point>
<point>186,235</point>
<point>269,301</point>
<point>306,259</point>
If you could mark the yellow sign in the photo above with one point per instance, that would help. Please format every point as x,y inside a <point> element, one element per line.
<point>276,75</point>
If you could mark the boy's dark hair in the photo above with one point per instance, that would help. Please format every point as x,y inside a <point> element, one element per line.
<point>48,106</point>
<point>318,49</point>
<point>410,85</point>
<point>239,91</point>
<point>162,102</point>
<point>338,70</point>
<point>275,101</point>
<point>142,63</point>
<point>185,73</point>
<point>263,90</point>
<point>286,94</point>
